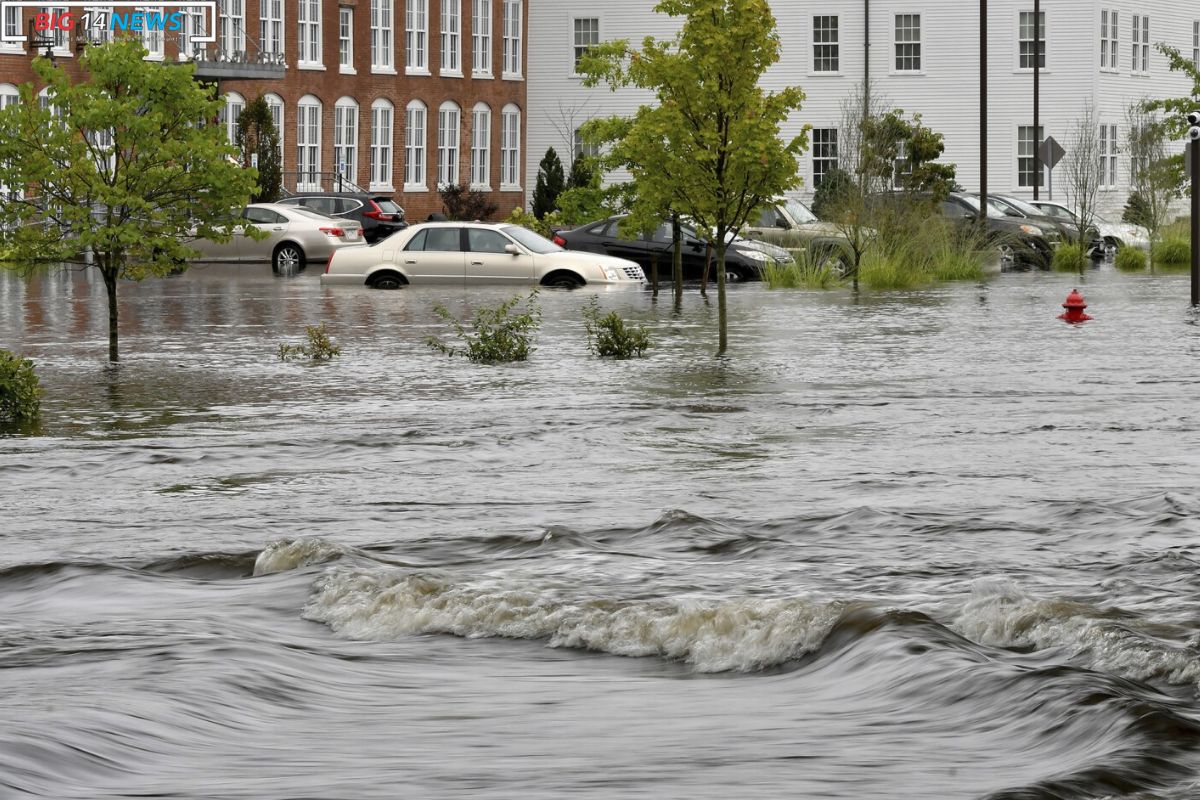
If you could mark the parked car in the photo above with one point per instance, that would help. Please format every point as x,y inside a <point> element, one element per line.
<point>1020,241</point>
<point>295,236</point>
<point>791,223</point>
<point>743,260</point>
<point>379,215</point>
<point>475,253</point>
<point>1020,209</point>
<point>1113,235</point>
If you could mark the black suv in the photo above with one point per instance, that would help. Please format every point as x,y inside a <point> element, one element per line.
<point>379,215</point>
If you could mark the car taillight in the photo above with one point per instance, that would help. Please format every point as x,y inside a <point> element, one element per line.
<point>338,232</point>
<point>558,240</point>
<point>376,213</point>
<point>329,263</point>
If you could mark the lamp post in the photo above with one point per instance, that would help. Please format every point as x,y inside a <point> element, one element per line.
<point>1194,143</point>
<point>983,113</point>
<point>1037,94</point>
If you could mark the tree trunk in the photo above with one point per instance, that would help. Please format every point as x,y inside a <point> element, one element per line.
<point>110,284</point>
<point>654,271</point>
<point>707,267</point>
<point>677,257</point>
<point>723,335</point>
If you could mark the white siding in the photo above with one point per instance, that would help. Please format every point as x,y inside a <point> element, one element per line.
<point>945,92</point>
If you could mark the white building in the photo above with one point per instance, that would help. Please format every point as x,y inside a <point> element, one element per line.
<point>923,57</point>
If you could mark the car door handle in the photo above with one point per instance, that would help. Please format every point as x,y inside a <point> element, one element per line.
<point>410,261</point>
<point>476,263</point>
<point>277,228</point>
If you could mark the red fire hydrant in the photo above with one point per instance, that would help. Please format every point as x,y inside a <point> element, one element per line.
<point>1074,306</point>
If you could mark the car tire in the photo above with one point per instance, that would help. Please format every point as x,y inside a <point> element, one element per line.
<point>563,280</point>
<point>388,281</point>
<point>734,275</point>
<point>288,259</point>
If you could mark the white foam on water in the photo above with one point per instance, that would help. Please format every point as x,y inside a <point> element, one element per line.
<point>284,555</point>
<point>1002,614</point>
<point>742,634</point>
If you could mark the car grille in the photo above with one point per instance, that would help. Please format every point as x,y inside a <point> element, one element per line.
<point>634,273</point>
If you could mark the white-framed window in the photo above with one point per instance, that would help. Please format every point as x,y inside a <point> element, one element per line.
<point>511,14</point>
<point>61,38</point>
<point>824,153</point>
<point>100,31</point>
<point>235,104</point>
<point>382,114</point>
<point>9,95</point>
<point>481,37</point>
<point>1027,171</point>
<point>448,139</point>
<point>275,106</point>
<point>12,27</point>
<point>452,37</point>
<point>1196,43</point>
<point>416,36</point>
<point>1139,63</point>
<point>1108,156</point>
<point>194,25</point>
<point>586,35</point>
<point>346,39</point>
<point>233,27</point>
<point>481,147</point>
<point>270,26</point>
<point>580,148</point>
<point>825,44</point>
<point>414,147</point>
<point>382,46</point>
<point>1109,26</point>
<point>308,143</point>
<point>345,139</point>
<point>1025,40</point>
<point>510,148</point>
<point>152,37</point>
<point>308,32</point>
<point>907,43</point>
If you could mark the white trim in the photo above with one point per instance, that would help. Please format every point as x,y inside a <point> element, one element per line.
<point>811,50</point>
<point>515,55</point>
<point>1017,68</point>
<point>416,37</point>
<point>305,130</point>
<point>376,147</point>
<point>451,34</point>
<point>487,37</point>
<point>414,146</point>
<point>346,14</point>
<point>572,33</point>
<point>382,37</point>
<point>510,142</point>
<point>920,43</point>
<point>484,109</point>
<point>449,150</point>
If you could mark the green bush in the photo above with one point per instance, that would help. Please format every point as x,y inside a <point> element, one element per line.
<point>1130,259</point>
<point>497,335</point>
<point>1137,210</point>
<point>1173,251</point>
<point>804,272</point>
<point>20,392</point>
<point>610,337</point>
<point>882,270</point>
<point>545,226</point>
<point>1069,257</point>
<point>319,348</point>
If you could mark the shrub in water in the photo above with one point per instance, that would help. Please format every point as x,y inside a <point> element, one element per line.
<point>497,335</point>
<point>609,336</point>
<point>1069,257</point>
<point>804,272</point>
<point>1173,252</point>
<point>319,348</point>
<point>20,392</point>
<point>1130,259</point>
<point>883,270</point>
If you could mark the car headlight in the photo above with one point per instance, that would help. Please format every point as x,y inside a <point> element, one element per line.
<point>1032,230</point>
<point>753,255</point>
<point>611,273</point>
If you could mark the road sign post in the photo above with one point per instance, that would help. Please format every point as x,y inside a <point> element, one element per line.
<point>1050,153</point>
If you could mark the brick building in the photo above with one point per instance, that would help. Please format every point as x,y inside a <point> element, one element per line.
<point>397,97</point>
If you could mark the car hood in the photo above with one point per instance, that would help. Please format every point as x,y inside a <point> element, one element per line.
<point>583,258</point>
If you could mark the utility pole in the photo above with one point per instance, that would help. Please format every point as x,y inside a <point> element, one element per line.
<point>1037,93</point>
<point>983,113</point>
<point>1194,143</point>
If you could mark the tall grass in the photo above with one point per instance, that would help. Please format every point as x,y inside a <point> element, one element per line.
<point>1173,251</point>
<point>805,272</point>
<point>914,248</point>
<point>1069,257</point>
<point>1130,259</point>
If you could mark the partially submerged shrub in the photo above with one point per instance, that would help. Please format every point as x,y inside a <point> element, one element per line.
<point>1173,251</point>
<point>319,348</point>
<point>609,336</point>
<point>1130,259</point>
<point>20,392</point>
<point>1069,257</point>
<point>882,270</point>
<point>806,271</point>
<point>497,335</point>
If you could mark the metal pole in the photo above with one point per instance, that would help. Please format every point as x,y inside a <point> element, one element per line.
<point>1195,145</point>
<point>983,113</point>
<point>866,48</point>
<point>1037,91</point>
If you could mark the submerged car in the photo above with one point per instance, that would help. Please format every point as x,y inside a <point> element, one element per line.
<point>460,253</point>
<point>1017,208</point>
<point>1113,235</point>
<point>789,222</point>
<point>743,260</point>
<point>294,236</point>
<point>379,215</point>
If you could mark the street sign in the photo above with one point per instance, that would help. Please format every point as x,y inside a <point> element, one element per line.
<point>1051,152</point>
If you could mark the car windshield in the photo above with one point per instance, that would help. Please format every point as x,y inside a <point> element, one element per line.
<point>799,212</point>
<point>531,240</point>
<point>973,202</point>
<point>1024,208</point>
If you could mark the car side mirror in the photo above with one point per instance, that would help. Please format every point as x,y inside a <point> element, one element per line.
<point>1011,213</point>
<point>512,250</point>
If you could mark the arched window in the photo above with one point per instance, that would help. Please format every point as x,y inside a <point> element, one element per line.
<point>275,104</point>
<point>510,148</point>
<point>308,143</point>
<point>235,104</point>
<point>9,95</point>
<point>481,147</point>
<point>414,147</point>
<point>448,138</point>
<point>345,139</point>
<point>382,113</point>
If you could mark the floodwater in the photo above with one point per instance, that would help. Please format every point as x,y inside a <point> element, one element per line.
<point>931,544</point>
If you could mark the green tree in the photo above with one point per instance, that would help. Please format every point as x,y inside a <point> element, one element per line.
<point>710,148</point>
<point>550,184</point>
<point>256,136</point>
<point>1155,175</point>
<point>583,173</point>
<point>124,164</point>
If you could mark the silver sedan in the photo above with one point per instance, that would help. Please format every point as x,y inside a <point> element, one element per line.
<point>294,236</point>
